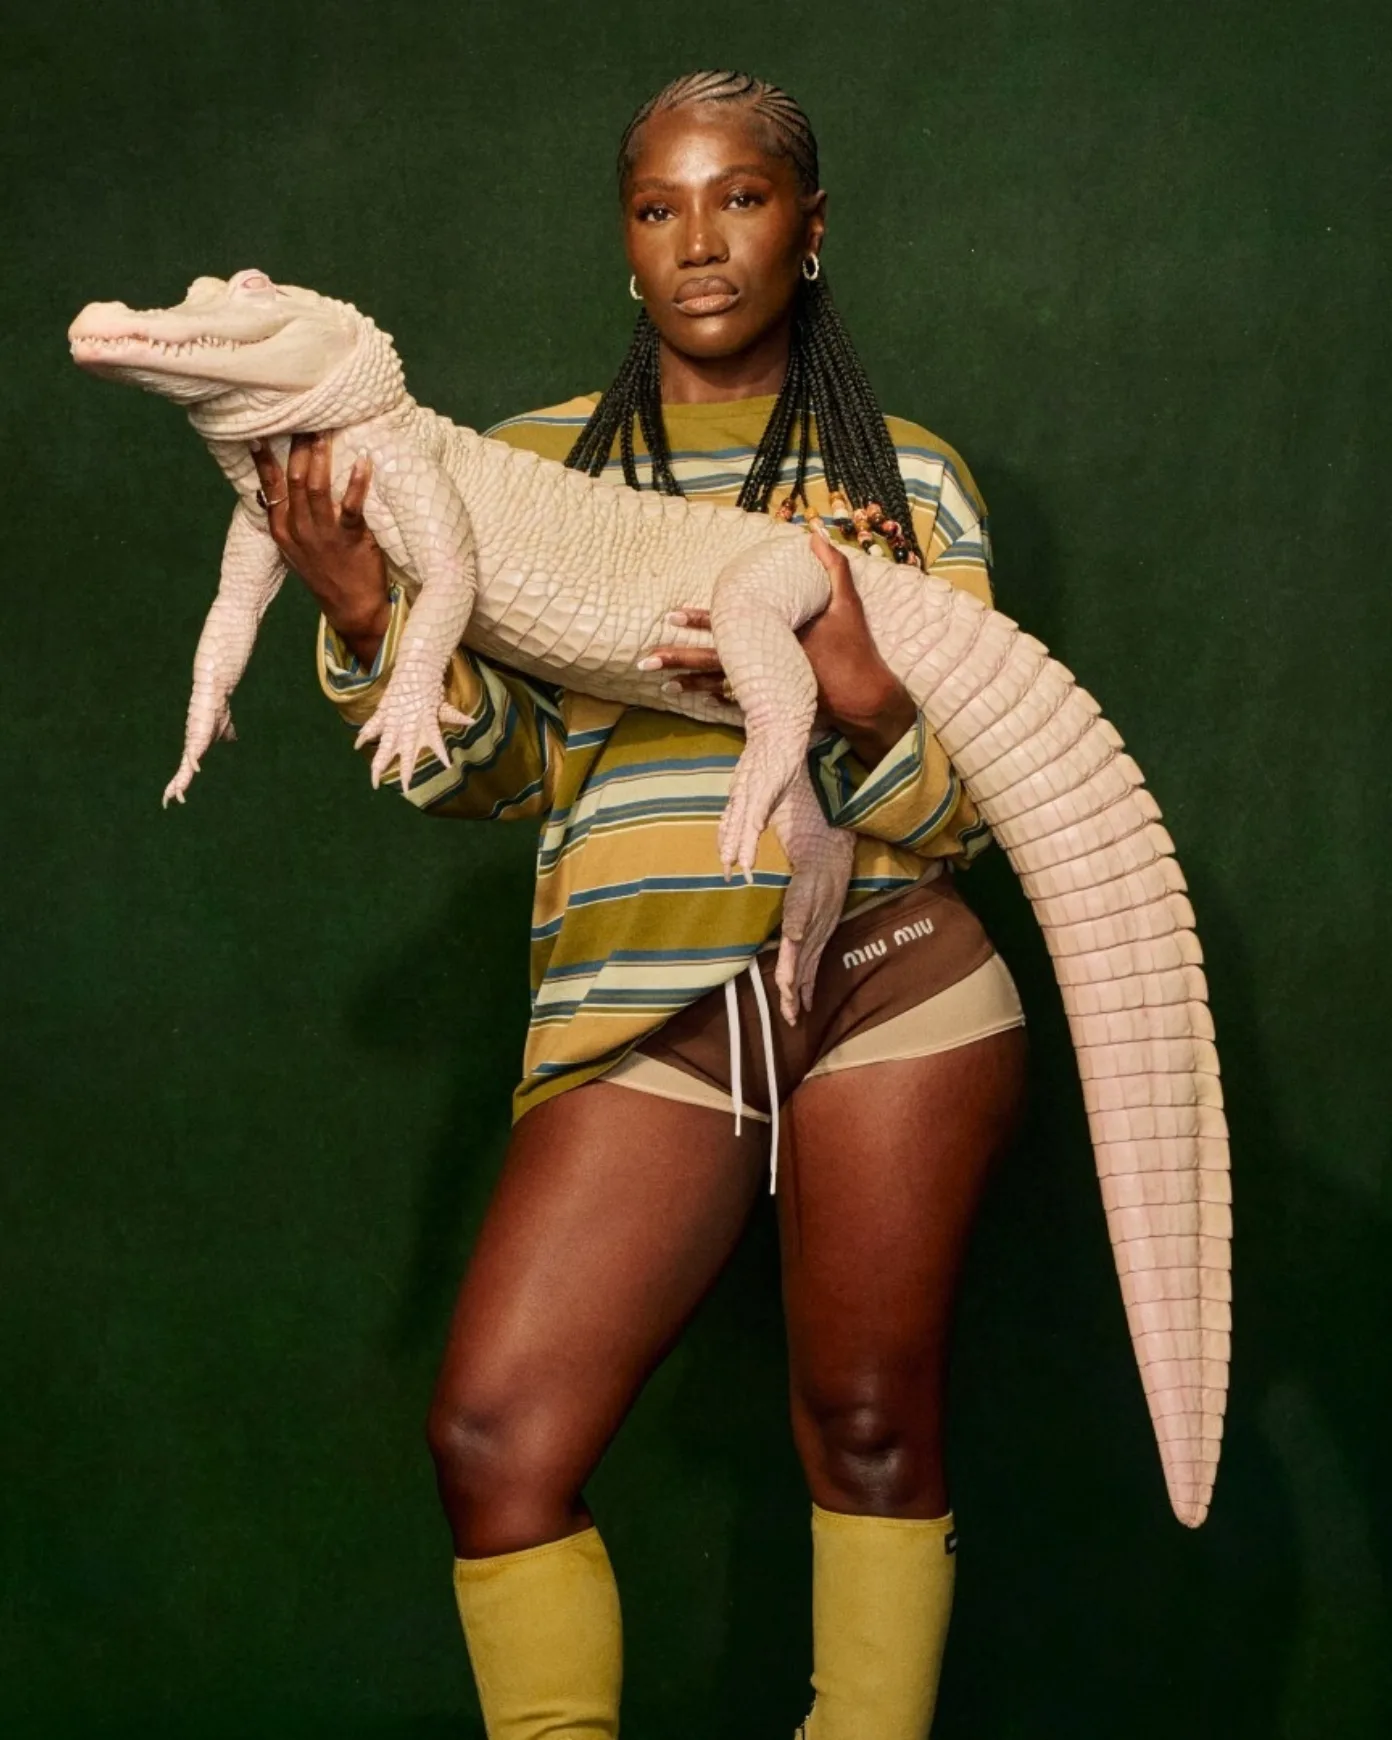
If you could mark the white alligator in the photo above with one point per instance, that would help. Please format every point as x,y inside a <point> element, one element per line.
<point>569,579</point>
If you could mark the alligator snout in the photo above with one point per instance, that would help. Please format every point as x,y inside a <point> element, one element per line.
<point>101,320</point>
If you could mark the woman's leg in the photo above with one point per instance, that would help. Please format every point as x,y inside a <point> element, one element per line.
<point>613,1216</point>
<point>614,1213</point>
<point>880,1179</point>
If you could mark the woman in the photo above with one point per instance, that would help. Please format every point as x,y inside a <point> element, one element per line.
<point>627,1181</point>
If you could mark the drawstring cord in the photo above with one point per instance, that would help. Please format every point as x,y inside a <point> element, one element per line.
<point>732,1024</point>
<point>732,1020</point>
<point>938,868</point>
<point>766,1025</point>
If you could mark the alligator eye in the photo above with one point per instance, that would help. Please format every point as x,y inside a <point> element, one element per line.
<point>252,281</point>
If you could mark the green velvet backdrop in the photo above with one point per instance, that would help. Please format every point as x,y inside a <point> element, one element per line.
<point>1131,259</point>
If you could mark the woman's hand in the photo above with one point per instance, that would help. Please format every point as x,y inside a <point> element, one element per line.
<point>327,543</point>
<point>857,693</point>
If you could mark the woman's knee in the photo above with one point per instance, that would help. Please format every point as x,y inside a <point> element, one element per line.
<point>468,1441</point>
<point>872,1452</point>
<point>493,1450</point>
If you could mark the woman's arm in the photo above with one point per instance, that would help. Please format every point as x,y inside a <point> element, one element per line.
<point>501,766</point>
<point>885,774</point>
<point>327,543</point>
<point>857,693</point>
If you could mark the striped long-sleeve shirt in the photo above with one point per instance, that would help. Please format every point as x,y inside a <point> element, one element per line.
<point>633,917</point>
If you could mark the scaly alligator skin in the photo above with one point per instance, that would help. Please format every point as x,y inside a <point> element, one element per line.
<point>570,579</point>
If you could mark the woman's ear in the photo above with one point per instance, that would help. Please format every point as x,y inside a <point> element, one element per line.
<point>815,209</point>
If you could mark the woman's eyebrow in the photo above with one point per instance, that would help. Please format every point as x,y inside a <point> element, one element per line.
<point>655,184</point>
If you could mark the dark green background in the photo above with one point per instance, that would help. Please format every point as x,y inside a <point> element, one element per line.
<point>1131,259</point>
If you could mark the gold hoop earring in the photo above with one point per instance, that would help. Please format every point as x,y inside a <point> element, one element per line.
<point>815,262</point>
<point>633,289</point>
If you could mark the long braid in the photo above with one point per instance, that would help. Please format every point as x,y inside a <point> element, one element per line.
<point>824,383</point>
<point>629,395</point>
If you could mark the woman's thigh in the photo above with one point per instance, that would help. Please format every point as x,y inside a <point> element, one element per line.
<point>880,1176</point>
<point>613,1215</point>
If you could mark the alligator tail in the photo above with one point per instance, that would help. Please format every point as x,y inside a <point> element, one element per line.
<point>1051,778</point>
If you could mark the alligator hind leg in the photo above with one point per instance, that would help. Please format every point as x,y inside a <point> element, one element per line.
<point>758,602</point>
<point>821,857</point>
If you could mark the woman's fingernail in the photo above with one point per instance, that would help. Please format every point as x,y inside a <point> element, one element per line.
<point>672,688</point>
<point>650,664</point>
<point>677,618</point>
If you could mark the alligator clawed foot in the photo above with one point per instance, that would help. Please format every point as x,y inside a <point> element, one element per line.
<point>401,730</point>
<point>811,908</point>
<point>196,745</point>
<point>182,780</point>
<point>763,774</point>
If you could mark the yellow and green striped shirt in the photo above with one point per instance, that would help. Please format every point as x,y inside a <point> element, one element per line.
<point>632,917</point>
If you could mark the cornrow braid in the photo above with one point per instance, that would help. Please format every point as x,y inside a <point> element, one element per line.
<point>790,132</point>
<point>824,382</point>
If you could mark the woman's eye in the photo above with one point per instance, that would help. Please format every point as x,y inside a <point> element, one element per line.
<point>742,200</point>
<point>646,213</point>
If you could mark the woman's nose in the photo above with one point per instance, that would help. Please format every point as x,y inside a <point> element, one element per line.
<point>701,241</point>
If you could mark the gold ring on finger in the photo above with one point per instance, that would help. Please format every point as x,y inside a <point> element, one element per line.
<point>265,504</point>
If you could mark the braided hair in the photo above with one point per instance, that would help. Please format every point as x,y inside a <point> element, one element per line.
<point>824,381</point>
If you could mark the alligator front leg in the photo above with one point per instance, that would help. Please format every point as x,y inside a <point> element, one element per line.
<point>252,572</point>
<point>757,603</point>
<point>415,497</point>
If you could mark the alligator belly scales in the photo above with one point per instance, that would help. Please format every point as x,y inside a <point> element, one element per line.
<point>566,577</point>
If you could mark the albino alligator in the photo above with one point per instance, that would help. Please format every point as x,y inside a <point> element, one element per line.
<point>570,579</point>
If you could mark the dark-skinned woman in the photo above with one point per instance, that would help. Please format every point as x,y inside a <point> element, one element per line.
<point>653,1072</point>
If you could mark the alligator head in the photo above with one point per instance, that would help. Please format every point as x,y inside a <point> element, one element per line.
<point>246,355</point>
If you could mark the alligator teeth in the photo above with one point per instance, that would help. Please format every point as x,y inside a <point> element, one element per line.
<point>169,347</point>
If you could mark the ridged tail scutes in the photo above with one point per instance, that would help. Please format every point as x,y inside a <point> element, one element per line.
<point>1052,779</point>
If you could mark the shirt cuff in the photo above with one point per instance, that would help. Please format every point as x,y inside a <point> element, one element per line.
<point>344,673</point>
<point>908,796</point>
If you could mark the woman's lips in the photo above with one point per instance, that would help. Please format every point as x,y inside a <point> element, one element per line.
<point>704,296</point>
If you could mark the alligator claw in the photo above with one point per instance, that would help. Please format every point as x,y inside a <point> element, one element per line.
<point>763,774</point>
<point>402,731</point>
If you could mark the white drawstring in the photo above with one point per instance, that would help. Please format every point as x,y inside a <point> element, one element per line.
<point>732,1023</point>
<point>766,1025</point>
<point>732,1018</point>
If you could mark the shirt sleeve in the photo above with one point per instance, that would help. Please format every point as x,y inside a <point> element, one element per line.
<point>501,767</point>
<point>904,801</point>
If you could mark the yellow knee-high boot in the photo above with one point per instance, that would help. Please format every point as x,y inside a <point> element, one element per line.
<point>544,1639</point>
<point>881,1600</point>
